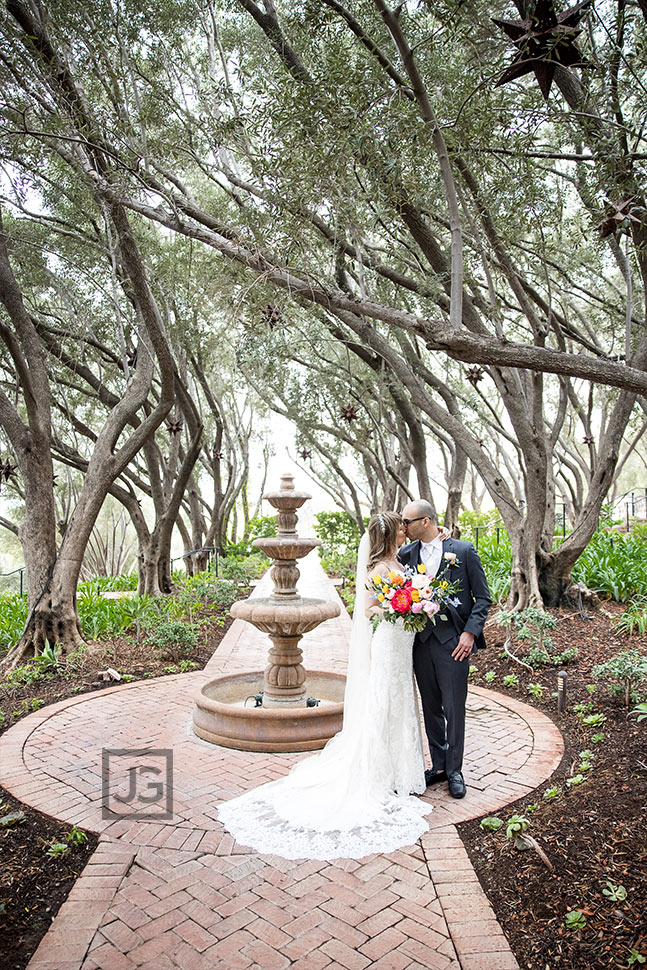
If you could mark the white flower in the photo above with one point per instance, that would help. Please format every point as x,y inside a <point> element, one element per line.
<point>449,557</point>
<point>419,581</point>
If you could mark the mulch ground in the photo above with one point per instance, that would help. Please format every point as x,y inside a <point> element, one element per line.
<point>33,886</point>
<point>593,833</point>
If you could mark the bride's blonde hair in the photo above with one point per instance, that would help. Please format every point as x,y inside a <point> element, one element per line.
<point>382,534</point>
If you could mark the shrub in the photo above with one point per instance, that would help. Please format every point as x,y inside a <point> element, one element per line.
<point>338,531</point>
<point>614,564</point>
<point>173,640</point>
<point>623,673</point>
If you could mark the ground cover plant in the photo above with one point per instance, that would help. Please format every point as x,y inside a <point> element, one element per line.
<point>589,818</point>
<point>139,637</point>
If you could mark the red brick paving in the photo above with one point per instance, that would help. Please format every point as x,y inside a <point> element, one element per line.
<point>180,893</point>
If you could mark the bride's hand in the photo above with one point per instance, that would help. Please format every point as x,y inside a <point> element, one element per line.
<point>444,533</point>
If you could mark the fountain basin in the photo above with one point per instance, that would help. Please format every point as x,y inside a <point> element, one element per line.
<point>221,717</point>
<point>286,547</point>
<point>293,617</point>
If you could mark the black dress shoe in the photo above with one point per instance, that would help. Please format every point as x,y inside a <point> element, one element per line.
<point>456,784</point>
<point>432,777</point>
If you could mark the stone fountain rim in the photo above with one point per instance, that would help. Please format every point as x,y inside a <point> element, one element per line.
<point>268,713</point>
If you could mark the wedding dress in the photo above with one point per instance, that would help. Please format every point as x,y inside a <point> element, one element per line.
<point>352,798</point>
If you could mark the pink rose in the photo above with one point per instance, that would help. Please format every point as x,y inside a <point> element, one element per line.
<point>430,607</point>
<point>416,607</point>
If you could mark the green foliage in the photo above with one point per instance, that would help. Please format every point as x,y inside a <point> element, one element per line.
<point>635,957</point>
<point>56,850</point>
<point>106,584</point>
<point>174,640</point>
<point>496,556</point>
<point>261,527</point>
<point>510,680</point>
<point>616,894</point>
<point>597,738</point>
<point>594,720</point>
<point>76,837</point>
<point>489,676</point>
<point>13,617</point>
<point>575,780</point>
<point>516,825</point>
<point>49,659</point>
<point>552,793</point>
<point>339,534</point>
<point>624,673</point>
<point>634,618</point>
<point>640,710</point>
<point>575,920</point>
<point>491,824</point>
<point>614,565</point>
<point>537,690</point>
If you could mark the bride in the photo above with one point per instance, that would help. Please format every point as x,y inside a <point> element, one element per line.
<point>354,797</point>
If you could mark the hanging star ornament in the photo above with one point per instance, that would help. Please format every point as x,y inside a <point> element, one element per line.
<point>349,413</point>
<point>619,217</point>
<point>174,426</point>
<point>544,42</point>
<point>588,439</point>
<point>474,375</point>
<point>305,454</point>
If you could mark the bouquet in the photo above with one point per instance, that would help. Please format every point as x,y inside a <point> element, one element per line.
<point>411,595</point>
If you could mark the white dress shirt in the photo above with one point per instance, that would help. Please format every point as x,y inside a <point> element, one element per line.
<point>431,554</point>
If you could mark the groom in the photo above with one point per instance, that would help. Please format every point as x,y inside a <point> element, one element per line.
<point>441,652</point>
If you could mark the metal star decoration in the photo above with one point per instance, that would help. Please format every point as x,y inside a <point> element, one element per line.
<point>618,218</point>
<point>305,454</point>
<point>6,471</point>
<point>544,42</point>
<point>474,375</point>
<point>588,439</point>
<point>272,315</point>
<point>349,412</point>
<point>218,455</point>
<point>174,426</point>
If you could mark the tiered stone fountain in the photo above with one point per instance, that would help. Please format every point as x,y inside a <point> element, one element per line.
<point>284,721</point>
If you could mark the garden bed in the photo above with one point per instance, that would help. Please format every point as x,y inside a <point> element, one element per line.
<point>33,886</point>
<point>593,832</point>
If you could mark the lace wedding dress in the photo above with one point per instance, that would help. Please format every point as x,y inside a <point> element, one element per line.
<point>354,797</point>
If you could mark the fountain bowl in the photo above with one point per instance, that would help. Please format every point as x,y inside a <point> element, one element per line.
<point>221,717</point>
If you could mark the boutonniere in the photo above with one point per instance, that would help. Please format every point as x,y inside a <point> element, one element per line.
<point>450,558</point>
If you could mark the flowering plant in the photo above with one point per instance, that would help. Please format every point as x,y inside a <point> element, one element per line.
<point>411,595</point>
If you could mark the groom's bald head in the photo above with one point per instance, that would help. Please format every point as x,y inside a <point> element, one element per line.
<point>418,508</point>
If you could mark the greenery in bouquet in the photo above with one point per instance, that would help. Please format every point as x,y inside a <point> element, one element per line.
<point>412,596</point>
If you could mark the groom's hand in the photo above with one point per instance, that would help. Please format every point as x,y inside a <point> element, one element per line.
<point>464,646</point>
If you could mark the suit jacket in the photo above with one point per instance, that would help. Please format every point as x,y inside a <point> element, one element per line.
<point>474,595</point>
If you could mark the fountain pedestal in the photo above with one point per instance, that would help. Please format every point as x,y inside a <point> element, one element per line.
<point>283,723</point>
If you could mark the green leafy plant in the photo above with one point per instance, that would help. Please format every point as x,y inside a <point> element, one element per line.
<point>575,920</point>
<point>338,532</point>
<point>623,673</point>
<point>186,665</point>
<point>614,565</point>
<point>491,823</point>
<point>56,850</point>
<point>537,690</point>
<point>594,720</point>
<point>616,894</point>
<point>575,780</point>
<point>586,760</point>
<point>76,837</point>
<point>634,618</point>
<point>640,711</point>
<point>473,670</point>
<point>565,657</point>
<point>583,708</point>
<point>635,957</point>
<point>553,792</point>
<point>516,825</point>
<point>489,676</point>
<point>534,807</point>
<point>598,738</point>
<point>173,640</point>
<point>510,680</point>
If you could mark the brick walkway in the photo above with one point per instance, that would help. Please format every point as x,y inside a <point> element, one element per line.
<point>180,893</point>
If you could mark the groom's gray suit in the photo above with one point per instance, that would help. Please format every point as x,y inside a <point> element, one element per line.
<point>442,681</point>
